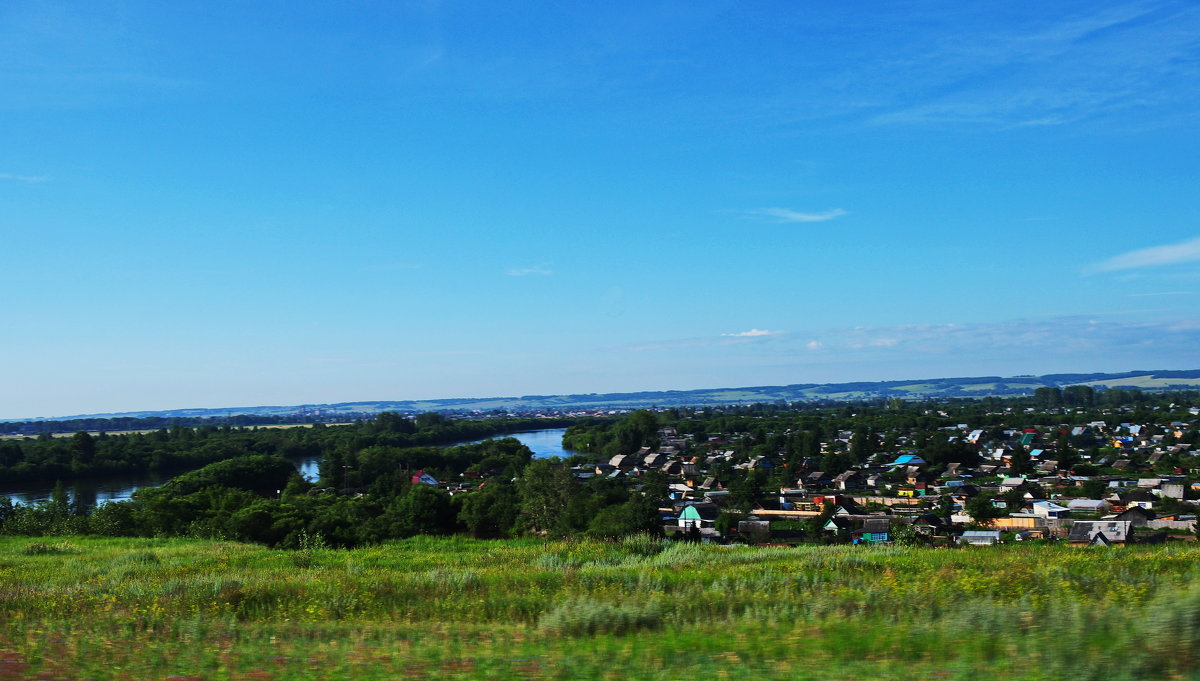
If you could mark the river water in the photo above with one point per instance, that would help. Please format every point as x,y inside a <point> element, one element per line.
<point>92,491</point>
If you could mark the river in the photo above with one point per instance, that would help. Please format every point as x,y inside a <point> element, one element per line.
<point>92,491</point>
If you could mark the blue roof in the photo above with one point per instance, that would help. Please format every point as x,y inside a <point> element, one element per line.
<point>907,458</point>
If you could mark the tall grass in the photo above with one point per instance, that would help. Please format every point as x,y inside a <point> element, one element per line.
<point>454,607</point>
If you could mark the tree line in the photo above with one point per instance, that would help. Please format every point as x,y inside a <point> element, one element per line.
<point>178,447</point>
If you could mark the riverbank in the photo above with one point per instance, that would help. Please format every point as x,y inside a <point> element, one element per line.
<point>88,492</point>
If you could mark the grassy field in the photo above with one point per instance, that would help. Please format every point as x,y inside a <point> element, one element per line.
<point>1148,382</point>
<point>89,608</point>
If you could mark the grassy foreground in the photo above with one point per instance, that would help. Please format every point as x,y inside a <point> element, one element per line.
<point>90,608</point>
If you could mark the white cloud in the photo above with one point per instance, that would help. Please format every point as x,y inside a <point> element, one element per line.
<point>1155,256</point>
<point>539,270</point>
<point>24,178</point>
<point>752,333</point>
<point>789,215</point>
<point>1088,342</point>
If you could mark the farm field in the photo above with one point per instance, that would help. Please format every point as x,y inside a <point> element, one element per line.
<point>144,431</point>
<point>75,608</point>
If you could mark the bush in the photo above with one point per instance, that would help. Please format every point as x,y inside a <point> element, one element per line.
<point>642,545</point>
<point>39,548</point>
<point>585,616</point>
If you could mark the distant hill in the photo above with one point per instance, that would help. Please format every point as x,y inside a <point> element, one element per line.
<point>917,389</point>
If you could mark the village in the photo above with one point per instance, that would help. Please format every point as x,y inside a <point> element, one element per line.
<point>1124,483</point>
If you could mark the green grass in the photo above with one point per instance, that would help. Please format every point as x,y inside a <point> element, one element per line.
<point>1148,381</point>
<point>456,608</point>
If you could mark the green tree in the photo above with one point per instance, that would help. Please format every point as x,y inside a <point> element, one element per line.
<point>748,490</point>
<point>981,510</point>
<point>83,448</point>
<point>639,515</point>
<point>1079,396</point>
<point>425,510</point>
<point>1048,397</point>
<point>544,490</point>
<point>491,512</point>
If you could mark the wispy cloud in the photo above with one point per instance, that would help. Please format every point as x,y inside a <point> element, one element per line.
<point>1059,70</point>
<point>789,215</point>
<point>1089,337</point>
<point>539,270</point>
<point>725,339</point>
<point>1155,256</point>
<point>752,333</point>
<point>24,178</point>
<point>1069,341</point>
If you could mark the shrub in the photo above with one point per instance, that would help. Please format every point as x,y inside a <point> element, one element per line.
<point>39,548</point>
<point>642,545</point>
<point>584,616</point>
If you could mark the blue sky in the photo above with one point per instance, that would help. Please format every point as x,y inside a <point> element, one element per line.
<point>224,204</point>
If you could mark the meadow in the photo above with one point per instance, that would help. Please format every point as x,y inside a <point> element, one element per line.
<point>186,610</point>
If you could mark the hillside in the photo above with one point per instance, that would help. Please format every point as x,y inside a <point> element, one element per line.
<point>117,609</point>
<point>931,388</point>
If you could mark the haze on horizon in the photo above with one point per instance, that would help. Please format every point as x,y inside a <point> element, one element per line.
<point>209,205</point>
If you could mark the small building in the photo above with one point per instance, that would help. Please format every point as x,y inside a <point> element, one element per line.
<point>1099,533</point>
<point>698,515</point>
<point>1049,509</point>
<point>873,531</point>
<point>423,478</point>
<point>1089,505</point>
<point>979,538</point>
<point>1018,521</point>
<point>908,460</point>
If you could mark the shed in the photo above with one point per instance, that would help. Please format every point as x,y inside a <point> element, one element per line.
<point>979,537</point>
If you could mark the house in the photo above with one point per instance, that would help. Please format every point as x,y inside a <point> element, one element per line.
<point>423,478</point>
<point>761,463</point>
<point>908,460</point>
<point>979,538</point>
<point>1047,466</point>
<point>754,530</point>
<point>1136,515</point>
<point>1018,521</point>
<point>848,480</point>
<point>873,531</point>
<point>1172,490</point>
<point>790,496</point>
<point>1049,509</point>
<point>1089,505</point>
<point>1099,532</point>
<point>679,491</point>
<point>698,515</point>
<point>815,480</point>
<point>1137,497</point>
